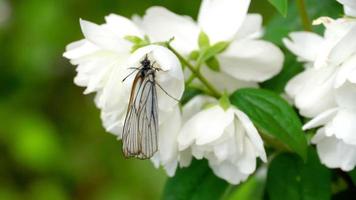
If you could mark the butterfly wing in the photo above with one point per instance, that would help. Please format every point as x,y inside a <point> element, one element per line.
<point>141,123</point>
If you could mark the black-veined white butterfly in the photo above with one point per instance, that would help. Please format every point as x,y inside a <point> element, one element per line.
<point>140,132</point>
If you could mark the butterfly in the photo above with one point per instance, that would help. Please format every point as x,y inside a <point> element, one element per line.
<point>140,131</point>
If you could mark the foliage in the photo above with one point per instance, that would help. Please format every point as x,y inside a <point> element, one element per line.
<point>52,143</point>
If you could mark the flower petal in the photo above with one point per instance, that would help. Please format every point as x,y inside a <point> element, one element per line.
<point>344,126</point>
<point>221,19</point>
<point>104,37</point>
<point>195,105</point>
<point>346,96</point>
<point>167,154</point>
<point>345,47</point>
<point>204,127</point>
<point>252,134</point>
<point>334,153</point>
<point>122,26</point>
<point>321,119</point>
<point>312,90</point>
<point>347,72</point>
<point>349,7</point>
<point>251,60</point>
<point>251,28</point>
<point>224,82</point>
<point>305,45</point>
<point>228,171</point>
<point>161,25</point>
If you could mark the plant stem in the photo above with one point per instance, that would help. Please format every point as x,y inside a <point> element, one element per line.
<point>190,79</point>
<point>304,15</point>
<point>195,71</point>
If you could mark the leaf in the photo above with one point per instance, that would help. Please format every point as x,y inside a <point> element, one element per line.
<point>194,183</point>
<point>252,189</point>
<point>281,6</point>
<point>194,55</point>
<point>273,116</point>
<point>290,68</point>
<point>224,102</point>
<point>290,178</point>
<point>203,40</point>
<point>278,28</point>
<point>133,39</point>
<point>210,52</point>
<point>213,64</point>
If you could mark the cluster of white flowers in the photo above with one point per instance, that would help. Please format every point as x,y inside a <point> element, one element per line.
<point>326,90</point>
<point>202,128</point>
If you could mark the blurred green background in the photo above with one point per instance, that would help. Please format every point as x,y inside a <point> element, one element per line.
<point>52,143</point>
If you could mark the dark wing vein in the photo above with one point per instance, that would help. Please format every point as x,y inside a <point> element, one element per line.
<point>141,123</point>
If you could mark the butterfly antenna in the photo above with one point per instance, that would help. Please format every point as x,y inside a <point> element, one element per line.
<point>167,93</point>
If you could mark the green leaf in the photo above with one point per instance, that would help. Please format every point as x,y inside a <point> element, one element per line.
<point>194,183</point>
<point>134,39</point>
<point>278,27</point>
<point>224,102</point>
<point>290,178</point>
<point>353,176</point>
<point>210,52</point>
<point>194,55</point>
<point>213,64</point>
<point>252,189</point>
<point>281,6</point>
<point>137,41</point>
<point>273,116</point>
<point>203,40</point>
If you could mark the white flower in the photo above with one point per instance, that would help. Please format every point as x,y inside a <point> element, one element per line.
<point>104,59</point>
<point>336,139</point>
<point>330,62</point>
<point>247,59</point>
<point>226,138</point>
<point>349,7</point>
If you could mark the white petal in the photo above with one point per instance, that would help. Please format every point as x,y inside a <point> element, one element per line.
<point>122,26</point>
<point>312,90</point>
<point>228,171</point>
<point>168,132</point>
<point>321,119</point>
<point>221,19</point>
<point>224,82</point>
<point>251,28</point>
<point>251,60</point>
<point>347,72</point>
<point>346,96</point>
<point>185,158</point>
<point>252,134</point>
<point>115,94</point>
<point>167,154</point>
<point>161,25</point>
<point>247,161</point>
<point>305,45</point>
<point>204,127</point>
<point>349,7</point>
<point>94,70</point>
<point>345,47</point>
<point>113,121</point>
<point>344,126</point>
<point>334,153</point>
<point>104,38</point>
<point>79,49</point>
<point>195,105</point>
